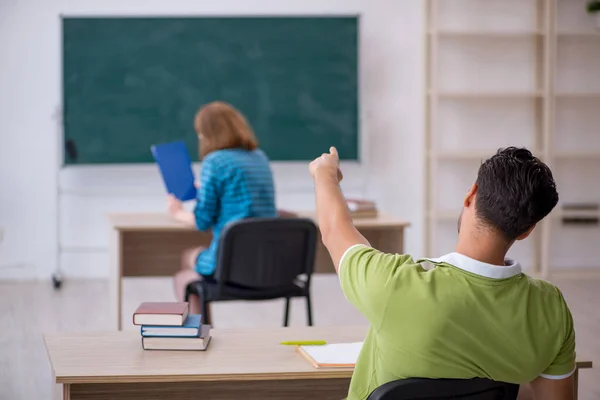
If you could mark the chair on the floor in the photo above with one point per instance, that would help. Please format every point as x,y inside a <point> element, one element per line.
<point>441,389</point>
<point>261,259</point>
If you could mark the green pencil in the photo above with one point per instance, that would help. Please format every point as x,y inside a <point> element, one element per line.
<point>305,343</point>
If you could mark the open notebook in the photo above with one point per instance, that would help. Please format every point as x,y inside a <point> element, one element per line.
<point>332,355</point>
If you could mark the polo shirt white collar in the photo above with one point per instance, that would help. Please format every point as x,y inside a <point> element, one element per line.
<point>473,266</point>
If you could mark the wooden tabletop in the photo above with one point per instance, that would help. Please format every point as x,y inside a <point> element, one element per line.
<point>163,222</point>
<point>242,354</point>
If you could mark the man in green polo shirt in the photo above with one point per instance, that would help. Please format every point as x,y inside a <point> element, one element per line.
<point>475,314</point>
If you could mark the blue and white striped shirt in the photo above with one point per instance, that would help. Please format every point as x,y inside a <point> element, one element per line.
<point>234,184</point>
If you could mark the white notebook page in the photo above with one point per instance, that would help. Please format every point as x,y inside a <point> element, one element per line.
<point>339,353</point>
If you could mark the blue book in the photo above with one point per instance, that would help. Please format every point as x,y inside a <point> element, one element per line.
<point>189,329</point>
<point>175,167</point>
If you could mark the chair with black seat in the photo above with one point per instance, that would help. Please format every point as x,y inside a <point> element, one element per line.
<point>261,259</point>
<point>441,389</point>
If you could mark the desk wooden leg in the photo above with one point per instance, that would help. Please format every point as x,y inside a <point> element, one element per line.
<point>66,391</point>
<point>115,276</point>
<point>575,383</point>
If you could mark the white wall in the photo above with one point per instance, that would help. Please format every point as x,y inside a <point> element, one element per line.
<point>392,106</point>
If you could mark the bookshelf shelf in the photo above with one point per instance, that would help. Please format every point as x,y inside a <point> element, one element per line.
<point>541,94</point>
<point>466,155</point>
<point>577,154</point>
<point>487,95</point>
<point>559,214</point>
<point>579,35</point>
<point>449,215</point>
<point>474,34</point>
<point>579,95</point>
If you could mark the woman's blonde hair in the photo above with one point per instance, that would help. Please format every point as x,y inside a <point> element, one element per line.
<point>220,126</point>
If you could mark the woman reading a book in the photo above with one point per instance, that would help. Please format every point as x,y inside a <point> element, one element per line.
<point>235,183</point>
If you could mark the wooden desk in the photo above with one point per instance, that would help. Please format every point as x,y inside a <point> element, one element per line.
<point>151,245</point>
<point>246,363</point>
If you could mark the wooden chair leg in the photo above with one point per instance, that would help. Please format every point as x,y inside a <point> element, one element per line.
<point>309,310</point>
<point>286,315</point>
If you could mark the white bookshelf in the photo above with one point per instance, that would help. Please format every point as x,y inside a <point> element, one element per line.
<point>575,155</point>
<point>520,73</point>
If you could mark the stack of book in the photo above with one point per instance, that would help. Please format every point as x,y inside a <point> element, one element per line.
<point>170,326</point>
<point>362,208</point>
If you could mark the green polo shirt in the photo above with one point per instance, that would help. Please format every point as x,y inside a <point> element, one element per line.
<point>461,319</point>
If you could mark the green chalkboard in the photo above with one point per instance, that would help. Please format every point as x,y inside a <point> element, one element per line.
<point>129,83</point>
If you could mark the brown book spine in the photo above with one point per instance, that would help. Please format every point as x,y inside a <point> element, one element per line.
<point>163,308</point>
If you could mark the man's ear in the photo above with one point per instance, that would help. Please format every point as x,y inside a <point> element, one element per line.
<point>470,196</point>
<point>524,235</point>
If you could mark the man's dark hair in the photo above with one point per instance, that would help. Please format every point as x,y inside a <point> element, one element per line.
<point>515,190</point>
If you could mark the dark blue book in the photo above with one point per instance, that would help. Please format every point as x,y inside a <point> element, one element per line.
<point>175,167</point>
<point>199,343</point>
<point>189,329</point>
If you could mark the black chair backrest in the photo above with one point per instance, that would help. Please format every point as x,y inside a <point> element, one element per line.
<point>440,389</point>
<point>266,252</point>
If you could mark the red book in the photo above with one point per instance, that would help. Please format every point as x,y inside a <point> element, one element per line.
<point>161,314</point>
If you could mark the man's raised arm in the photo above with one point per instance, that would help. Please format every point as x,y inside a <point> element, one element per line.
<point>335,223</point>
